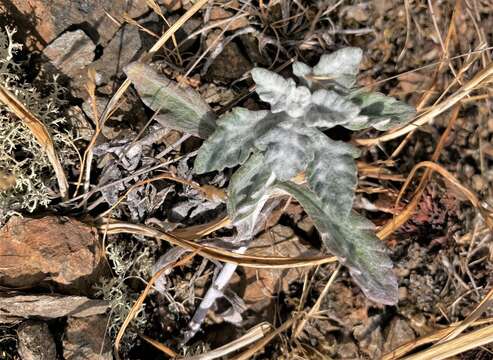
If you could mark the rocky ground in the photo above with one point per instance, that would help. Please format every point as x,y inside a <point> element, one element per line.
<point>66,286</point>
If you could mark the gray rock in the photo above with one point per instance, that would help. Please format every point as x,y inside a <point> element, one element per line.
<point>71,52</point>
<point>122,49</point>
<point>14,307</point>
<point>85,339</point>
<point>35,341</point>
<point>398,332</point>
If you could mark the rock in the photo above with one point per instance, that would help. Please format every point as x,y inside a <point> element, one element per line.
<point>85,339</point>
<point>262,284</point>
<point>35,341</point>
<point>398,332</point>
<point>370,337</point>
<point>171,5</point>
<point>121,50</point>
<point>218,13</point>
<point>13,306</point>
<point>57,249</point>
<point>479,183</point>
<point>44,20</point>
<point>229,65</point>
<point>71,52</point>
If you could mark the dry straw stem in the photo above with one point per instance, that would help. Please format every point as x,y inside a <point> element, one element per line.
<point>40,132</point>
<point>268,338</point>
<point>254,334</point>
<point>456,346</point>
<point>317,305</point>
<point>477,81</point>
<point>469,320</point>
<point>138,304</point>
<point>428,339</point>
<point>268,262</point>
<point>408,211</point>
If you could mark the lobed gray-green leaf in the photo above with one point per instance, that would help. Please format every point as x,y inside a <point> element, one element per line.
<point>282,94</point>
<point>354,242</point>
<point>248,190</point>
<point>383,112</point>
<point>338,69</point>
<point>332,175</point>
<point>180,108</point>
<point>233,140</point>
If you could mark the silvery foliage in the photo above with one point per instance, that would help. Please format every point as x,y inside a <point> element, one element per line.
<point>272,147</point>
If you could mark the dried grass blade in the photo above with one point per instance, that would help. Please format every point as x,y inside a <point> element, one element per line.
<point>40,132</point>
<point>456,346</point>
<point>266,262</point>
<point>252,335</point>
<point>138,303</point>
<point>480,79</point>
<point>437,335</point>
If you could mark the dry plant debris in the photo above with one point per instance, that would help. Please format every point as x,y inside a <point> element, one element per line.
<point>105,175</point>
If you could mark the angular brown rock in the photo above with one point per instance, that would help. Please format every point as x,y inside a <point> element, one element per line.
<point>85,339</point>
<point>14,307</point>
<point>35,341</point>
<point>262,284</point>
<point>71,52</point>
<point>57,249</point>
<point>45,20</point>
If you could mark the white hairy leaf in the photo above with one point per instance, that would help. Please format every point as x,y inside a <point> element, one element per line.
<point>180,108</point>
<point>233,140</point>
<point>286,145</point>
<point>338,69</point>
<point>383,112</point>
<point>354,242</point>
<point>282,94</point>
<point>332,175</point>
<point>329,109</point>
<point>248,191</point>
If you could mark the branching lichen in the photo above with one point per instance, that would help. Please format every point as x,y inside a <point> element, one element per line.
<point>22,158</point>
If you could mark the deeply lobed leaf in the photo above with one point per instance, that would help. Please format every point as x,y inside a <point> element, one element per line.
<point>354,242</point>
<point>233,140</point>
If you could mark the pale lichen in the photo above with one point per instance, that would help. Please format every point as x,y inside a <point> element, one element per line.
<point>22,159</point>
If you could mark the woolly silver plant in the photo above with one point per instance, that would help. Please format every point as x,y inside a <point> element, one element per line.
<point>273,147</point>
<point>26,172</point>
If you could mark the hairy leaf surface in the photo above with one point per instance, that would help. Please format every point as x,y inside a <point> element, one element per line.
<point>248,190</point>
<point>383,112</point>
<point>332,175</point>
<point>233,140</point>
<point>286,145</point>
<point>179,108</point>
<point>354,242</point>
<point>282,94</point>
<point>329,109</point>
<point>338,68</point>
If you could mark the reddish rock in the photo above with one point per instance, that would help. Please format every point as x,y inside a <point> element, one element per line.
<point>59,249</point>
<point>44,20</point>
<point>219,13</point>
<point>262,284</point>
<point>85,338</point>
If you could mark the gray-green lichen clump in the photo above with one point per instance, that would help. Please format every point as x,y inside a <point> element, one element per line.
<point>27,180</point>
